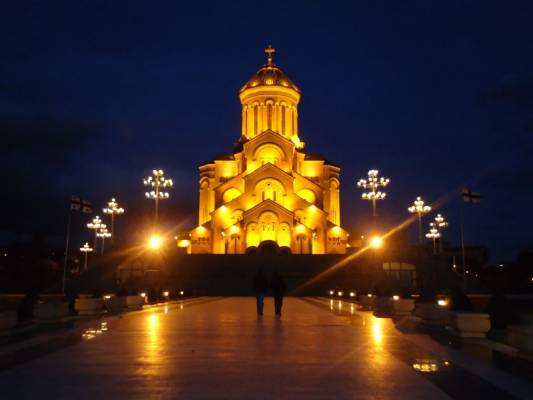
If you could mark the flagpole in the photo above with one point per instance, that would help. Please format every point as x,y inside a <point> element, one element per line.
<point>465,283</point>
<point>65,261</point>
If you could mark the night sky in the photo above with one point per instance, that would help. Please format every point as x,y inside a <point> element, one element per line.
<point>436,95</point>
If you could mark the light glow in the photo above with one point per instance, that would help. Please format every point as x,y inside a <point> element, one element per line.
<point>419,207</point>
<point>184,243</point>
<point>376,242</point>
<point>155,242</point>
<point>86,248</point>
<point>442,302</point>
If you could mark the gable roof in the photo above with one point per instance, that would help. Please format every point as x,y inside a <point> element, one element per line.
<point>268,205</point>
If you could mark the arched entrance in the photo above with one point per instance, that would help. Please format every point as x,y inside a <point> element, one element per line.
<point>268,247</point>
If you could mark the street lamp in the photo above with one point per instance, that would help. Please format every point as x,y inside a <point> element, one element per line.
<point>433,234</point>
<point>158,182</point>
<point>440,223</point>
<point>113,209</point>
<point>96,224</point>
<point>373,183</point>
<point>103,233</point>
<point>86,249</point>
<point>376,242</point>
<point>155,242</point>
<point>419,209</point>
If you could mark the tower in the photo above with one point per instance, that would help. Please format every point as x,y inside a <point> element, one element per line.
<point>269,193</point>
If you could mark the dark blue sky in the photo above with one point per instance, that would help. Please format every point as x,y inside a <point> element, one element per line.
<point>436,95</point>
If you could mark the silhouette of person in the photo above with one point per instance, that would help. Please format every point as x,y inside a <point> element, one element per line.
<point>260,286</point>
<point>278,290</point>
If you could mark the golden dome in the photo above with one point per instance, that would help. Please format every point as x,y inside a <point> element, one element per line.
<point>270,75</point>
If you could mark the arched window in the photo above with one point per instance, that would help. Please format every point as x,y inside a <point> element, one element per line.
<point>268,226</point>
<point>283,120</point>
<point>284,235</point>
<point>308,195</point>
<point>253,237</point>
<point>270,189</point>
<point>269,116</point>
<point>230,194</point>
<point>255,120</point>
<point>269,153</point>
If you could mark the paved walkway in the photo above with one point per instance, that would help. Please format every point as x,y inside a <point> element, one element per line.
<point>219,349</point>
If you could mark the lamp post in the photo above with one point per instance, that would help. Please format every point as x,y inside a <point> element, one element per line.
<point>419,208</point>
<point>373,183</point>
<point>96,224</point>
<point>440,224</point>
<point>158,182</point>
<point>86,249</point>
<point>433,234</point>
<point>103,233</point>
<point>113,209</point>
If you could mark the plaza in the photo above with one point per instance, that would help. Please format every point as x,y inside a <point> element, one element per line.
<point>217,348</point>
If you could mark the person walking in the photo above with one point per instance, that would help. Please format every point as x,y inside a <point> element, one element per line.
<point>260,286</point>
<point>278,291</point>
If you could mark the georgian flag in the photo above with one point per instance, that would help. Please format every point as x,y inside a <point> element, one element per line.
<point>471,197</point>
<point>78,204</point>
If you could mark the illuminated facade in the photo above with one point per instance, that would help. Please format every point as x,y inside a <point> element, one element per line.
<point>269,193</point>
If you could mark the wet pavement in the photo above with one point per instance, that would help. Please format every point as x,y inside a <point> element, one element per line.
<point>220,349</point>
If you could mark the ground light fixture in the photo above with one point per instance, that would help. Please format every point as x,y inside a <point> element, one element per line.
<point>395,297</point>
<point>166,293</point>
<point>352,294</point>
<point>182,293</point>
<point>340,293</point>
<point>331,292</point>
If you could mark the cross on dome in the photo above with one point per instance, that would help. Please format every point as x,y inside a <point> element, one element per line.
<point>269,51</point>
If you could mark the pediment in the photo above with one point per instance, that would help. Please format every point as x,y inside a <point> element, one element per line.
<point>314,185</point>
<point>268,205</point>
<point>269,171</point>
<point>268,136</point>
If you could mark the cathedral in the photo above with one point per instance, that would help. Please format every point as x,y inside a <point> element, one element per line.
<point>269,194</point>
